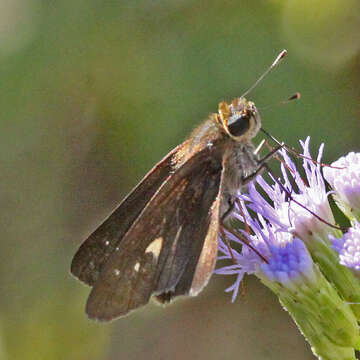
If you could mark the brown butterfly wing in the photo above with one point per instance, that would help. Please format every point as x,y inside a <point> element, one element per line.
<point>171,248</point>
<point>96,249</point>
<point>199,269</point>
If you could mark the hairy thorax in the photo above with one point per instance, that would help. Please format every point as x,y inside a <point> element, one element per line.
<point>240,163</point>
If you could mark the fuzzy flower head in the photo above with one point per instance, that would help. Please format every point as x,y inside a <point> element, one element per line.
<point>294,209</point>
<point>348,247</point>
<point>344,178</point>
<point>290,272</point>
<point>300,205</point>
<point>287,245</point>
<point>287,259</point>
<point>289,264</point>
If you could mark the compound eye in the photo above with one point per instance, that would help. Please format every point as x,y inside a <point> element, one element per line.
<point>238,125</point>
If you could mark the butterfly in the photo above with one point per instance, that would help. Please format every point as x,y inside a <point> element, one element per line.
<point>162,239</point>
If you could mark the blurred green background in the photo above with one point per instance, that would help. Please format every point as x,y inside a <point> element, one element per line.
<point>93,93</point>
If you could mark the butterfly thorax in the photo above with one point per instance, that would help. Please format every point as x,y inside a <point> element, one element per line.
<point>239,163</point>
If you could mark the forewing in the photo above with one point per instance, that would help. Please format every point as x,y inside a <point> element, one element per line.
<point>96,249</point>
<point>160,253</point>
<point>198,269</point>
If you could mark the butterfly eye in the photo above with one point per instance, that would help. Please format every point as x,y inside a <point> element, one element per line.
<point>238,125</point>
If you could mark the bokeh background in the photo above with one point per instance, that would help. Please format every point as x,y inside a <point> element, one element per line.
<point>93,93</point>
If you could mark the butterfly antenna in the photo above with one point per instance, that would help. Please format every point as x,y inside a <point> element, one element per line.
<point>297,154</point>
<point>272,66</point>
<point>295,96</point>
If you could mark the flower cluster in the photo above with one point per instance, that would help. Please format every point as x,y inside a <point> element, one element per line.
<point>299,252</point>
<point>348,247</point>
<point>344,178</point>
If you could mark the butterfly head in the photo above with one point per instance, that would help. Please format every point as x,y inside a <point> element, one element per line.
<point>240,119</point>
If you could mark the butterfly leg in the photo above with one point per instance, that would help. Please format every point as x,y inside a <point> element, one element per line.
<point>231,205</point>
<point>262,165</point>
<point>243,239</point>
<point>230,209</point>
<point>241,209</point>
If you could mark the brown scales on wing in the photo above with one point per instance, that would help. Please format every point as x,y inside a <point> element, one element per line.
<point>131,275</point>
<point>162,239</point>
<point>206,134</point>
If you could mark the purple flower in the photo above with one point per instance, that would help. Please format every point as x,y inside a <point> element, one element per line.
<point>344,178</point>
<point>246,261</point>
<point>289,264</point>
<point>289,250</point>
<point>287,257</point>
<point>299,208</point>
<point>348,247</point>
<point>298,211</point>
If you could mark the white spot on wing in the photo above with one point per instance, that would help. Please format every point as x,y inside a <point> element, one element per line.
<point>117,272</point>
<point>137,267</point>
<point>155,247</point>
